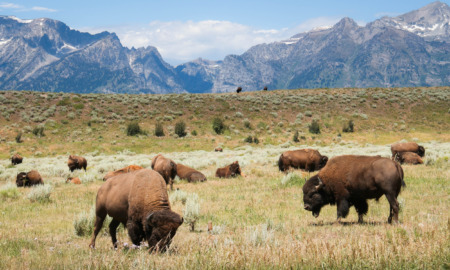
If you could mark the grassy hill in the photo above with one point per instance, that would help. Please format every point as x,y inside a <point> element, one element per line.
<point>74,123</point>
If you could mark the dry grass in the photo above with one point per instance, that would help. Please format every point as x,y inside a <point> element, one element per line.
<point>260,223</point>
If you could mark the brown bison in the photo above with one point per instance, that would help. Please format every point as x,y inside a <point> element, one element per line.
<point>73,180</point>
<point>166,167</point>
<point>408,158</point>
<point>407,147</point>
<point>231,170</point>
<point>28,179</point>
<point>239,89</point>
<point>16,159</point>
<point>190,174</point>
<point>351,180</point>
<point>76,163</point>
<point>265,88</point>
<point>127,169</point>
<point>139,201</point>
<point>218,149</point>
<point>308,159</point>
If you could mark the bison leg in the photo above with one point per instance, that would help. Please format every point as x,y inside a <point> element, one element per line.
<point>171,183</point>
<point>343,208</point>
<point>394,207</point>
<point>361,208</point>
<point>100,217</point>
<point>135,232</point>
<point>112,231</point>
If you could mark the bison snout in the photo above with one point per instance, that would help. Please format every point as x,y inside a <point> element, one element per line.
<point>307,207</point>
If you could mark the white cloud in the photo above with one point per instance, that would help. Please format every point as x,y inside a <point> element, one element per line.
<point>43,9</point>
<point>10,6</point>
<point>179,42</point>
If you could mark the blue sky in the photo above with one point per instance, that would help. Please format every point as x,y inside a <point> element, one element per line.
<point>183,30</point>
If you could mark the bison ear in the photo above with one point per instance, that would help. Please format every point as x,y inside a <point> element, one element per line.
<point>182,220</point>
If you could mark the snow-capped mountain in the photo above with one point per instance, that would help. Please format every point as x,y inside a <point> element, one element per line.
<point>408,50</point>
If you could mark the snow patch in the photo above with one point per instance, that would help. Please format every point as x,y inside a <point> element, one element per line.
<point>3,41</point>
<point>19,20</point>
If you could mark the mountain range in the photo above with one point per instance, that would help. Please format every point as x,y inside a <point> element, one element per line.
<point>412,49</point>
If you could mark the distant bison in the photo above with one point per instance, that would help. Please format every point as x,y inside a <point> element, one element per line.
<point>408,158</point>
<point>127,169</point>
<point>407,147</point>
<point>308,159</point>
<point>76,163</point>
<point>265,88</point>
<point>73,180</point>
<point>351,180</point>
<point>166,167</point>
<point>190,174</point>
<point>16,159</point>
<point>218,149</point>
<point>139,201</point>
<point>29,179</point>
<point>239,89</point>
<point>231,170</point>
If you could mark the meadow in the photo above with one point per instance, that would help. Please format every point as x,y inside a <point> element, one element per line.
<point>258,220</point>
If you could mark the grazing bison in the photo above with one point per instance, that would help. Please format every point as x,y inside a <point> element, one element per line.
<point>308,159</point>
<point>190,174</point>
<point>139,201</point>
<point>265,88</point>
<point>231,170</point>
<point>127,169</point>
<point>408,158</point>
<point>76,163</point>
<point>16,159</point>
<point>166,167</point>
<point>239,89</point>
<point>351,180</point>
<point>29,179</point>
<point>407,147</point>
<point>73,180</point>
<point>218,149</point>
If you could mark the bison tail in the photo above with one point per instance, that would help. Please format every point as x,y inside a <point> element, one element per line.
<point>400,173</point>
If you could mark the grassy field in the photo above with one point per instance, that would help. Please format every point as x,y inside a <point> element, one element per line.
<point>258,220</point>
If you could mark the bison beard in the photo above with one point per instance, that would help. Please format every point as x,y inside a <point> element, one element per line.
<point>349,181</point>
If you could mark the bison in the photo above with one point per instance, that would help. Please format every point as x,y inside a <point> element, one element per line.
<point>350,180</point>
<point>76,163</point>
<point>190,174</point>
<point>308,159</point>
<point>166,167</point>
<point>231,170</point>
<point>16,159</point>
<point>73,180</point>
<point>265,88</point>
<point>127,169</point>
<point>239,89</point>
<point>218,149</point>
<point>29,179</point>
<point>407,147</point>
<point>408,158</point>
<point>139,201</point>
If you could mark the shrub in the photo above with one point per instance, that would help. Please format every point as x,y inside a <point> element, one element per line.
<point>133,129</point>
<point>194,133</point>
<point>178,196</point>
<point>295,138</point>
<point>292,179</point>
<point>40,193</point>
<point>9,191</point>
<point>180,129</point>
<point>191,211</point>
<point>218,125</point>
<point>247,124</point>
<point>39,131</point>
<point>159,130</point>
<point>348,127</point>
<point>308,113</point>
<point>19,137</point>
<point>84,223</point>
<point>249,139</point>
<point>255,140</point>
<point>314,127</point>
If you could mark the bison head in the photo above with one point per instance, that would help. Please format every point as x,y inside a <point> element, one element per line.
<point>197,177</point>
<point>421,151</point>
<point>323,162</point>
<point>21,179</point>
<point>314,195</point>
<point>235,169</point>
<point>161,227</point>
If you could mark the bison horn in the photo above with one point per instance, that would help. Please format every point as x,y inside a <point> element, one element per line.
<point>320,185</point>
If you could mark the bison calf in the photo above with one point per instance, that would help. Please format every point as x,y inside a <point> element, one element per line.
<point>231,170</point>
<point>127,169</point>
<point>190,174</point>
<point>408,158</point>
<point>351,180</point>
